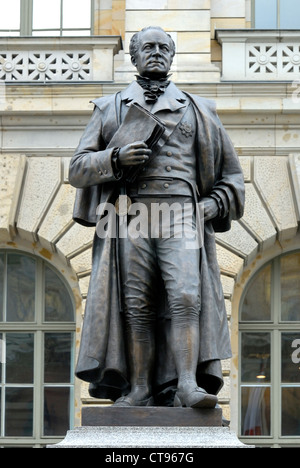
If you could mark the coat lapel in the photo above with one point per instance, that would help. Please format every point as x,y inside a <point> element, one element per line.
<point>170,107</point>
<point>172,100</point>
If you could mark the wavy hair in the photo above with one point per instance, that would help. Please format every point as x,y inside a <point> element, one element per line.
<point>135,40</point>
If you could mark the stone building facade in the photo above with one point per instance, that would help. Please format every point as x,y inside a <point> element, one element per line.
<point>225,53</point>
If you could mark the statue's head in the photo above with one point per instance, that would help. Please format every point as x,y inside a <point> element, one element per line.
<point>152,51</point>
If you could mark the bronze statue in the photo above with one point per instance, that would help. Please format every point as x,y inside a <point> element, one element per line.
<point>155,328</point>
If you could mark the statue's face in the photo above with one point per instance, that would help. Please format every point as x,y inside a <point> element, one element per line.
<point>154,57</point>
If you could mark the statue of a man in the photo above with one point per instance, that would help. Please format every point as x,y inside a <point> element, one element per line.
<point>155,328</point>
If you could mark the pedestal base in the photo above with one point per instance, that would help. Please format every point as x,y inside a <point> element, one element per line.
<point>150,427</point>
<point>98,416</point>
<point>167,438</point>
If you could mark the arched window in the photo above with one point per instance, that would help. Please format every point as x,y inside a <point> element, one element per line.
<point>37,325</point>
<point>270,355</point>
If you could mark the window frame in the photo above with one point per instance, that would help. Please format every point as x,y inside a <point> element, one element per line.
<point>38,328</point>
<point>276,327</point>
<point>26,21</point>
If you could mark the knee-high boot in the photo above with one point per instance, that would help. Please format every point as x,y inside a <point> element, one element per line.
<point>185,344</point>
<point>141,355</point>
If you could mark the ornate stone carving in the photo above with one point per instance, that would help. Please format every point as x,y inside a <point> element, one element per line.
<point>46,66</point>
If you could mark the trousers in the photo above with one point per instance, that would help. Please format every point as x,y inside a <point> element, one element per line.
<point>157,251</point>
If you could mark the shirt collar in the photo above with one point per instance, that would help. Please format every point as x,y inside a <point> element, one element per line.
<point>172,99</point>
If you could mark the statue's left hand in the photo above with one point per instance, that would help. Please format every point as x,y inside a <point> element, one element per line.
<point>211,209</point>
<point>134,154</point>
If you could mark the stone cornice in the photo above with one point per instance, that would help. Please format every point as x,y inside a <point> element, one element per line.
<point>61,43</point>
<point>73,98</point>
<point>256,35</point>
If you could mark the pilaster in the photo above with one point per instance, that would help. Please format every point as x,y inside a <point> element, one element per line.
<point>189,24</point>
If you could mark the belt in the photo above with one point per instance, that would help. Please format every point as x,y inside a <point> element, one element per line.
<point>160,187</point>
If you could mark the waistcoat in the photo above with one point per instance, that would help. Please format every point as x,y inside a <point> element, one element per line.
<point>173,169</point>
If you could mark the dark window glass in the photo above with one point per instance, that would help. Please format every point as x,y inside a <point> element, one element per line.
<point>19,412</point>
<point>291,411</point>
<point>290,287</point>
<point>256,411</point>
<point>20,288</point>
<point>270,353</point>
<point>2,357</point>
<point>56,411</point>
<point>2,268</point>
<point>58,348</point>
<point>58,304</point>
<point>256,358</point>
<point>19,358</point>
<point>257,303</point>
<point>35,308</point>
<point>290,358</point>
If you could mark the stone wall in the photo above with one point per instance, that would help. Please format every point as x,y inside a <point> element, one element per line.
<point>188,23</point>
<point>109,18</point>
<point>229,14</point>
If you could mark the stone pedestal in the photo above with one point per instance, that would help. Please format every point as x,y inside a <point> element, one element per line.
<point>162,438</point>
<point>97,416</point>
<point>150,428</point>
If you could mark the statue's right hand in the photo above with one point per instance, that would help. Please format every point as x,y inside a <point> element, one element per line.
<point>134,154</point>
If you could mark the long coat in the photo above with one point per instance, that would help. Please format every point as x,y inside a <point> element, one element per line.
<point>102,358</point>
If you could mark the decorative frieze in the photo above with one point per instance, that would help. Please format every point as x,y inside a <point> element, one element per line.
<point>260,55</point>
<point>277,59</point>
<point>59,60</point>
<point>46,66</point>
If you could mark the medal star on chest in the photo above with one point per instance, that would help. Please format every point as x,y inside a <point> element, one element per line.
<point>186,129</point>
